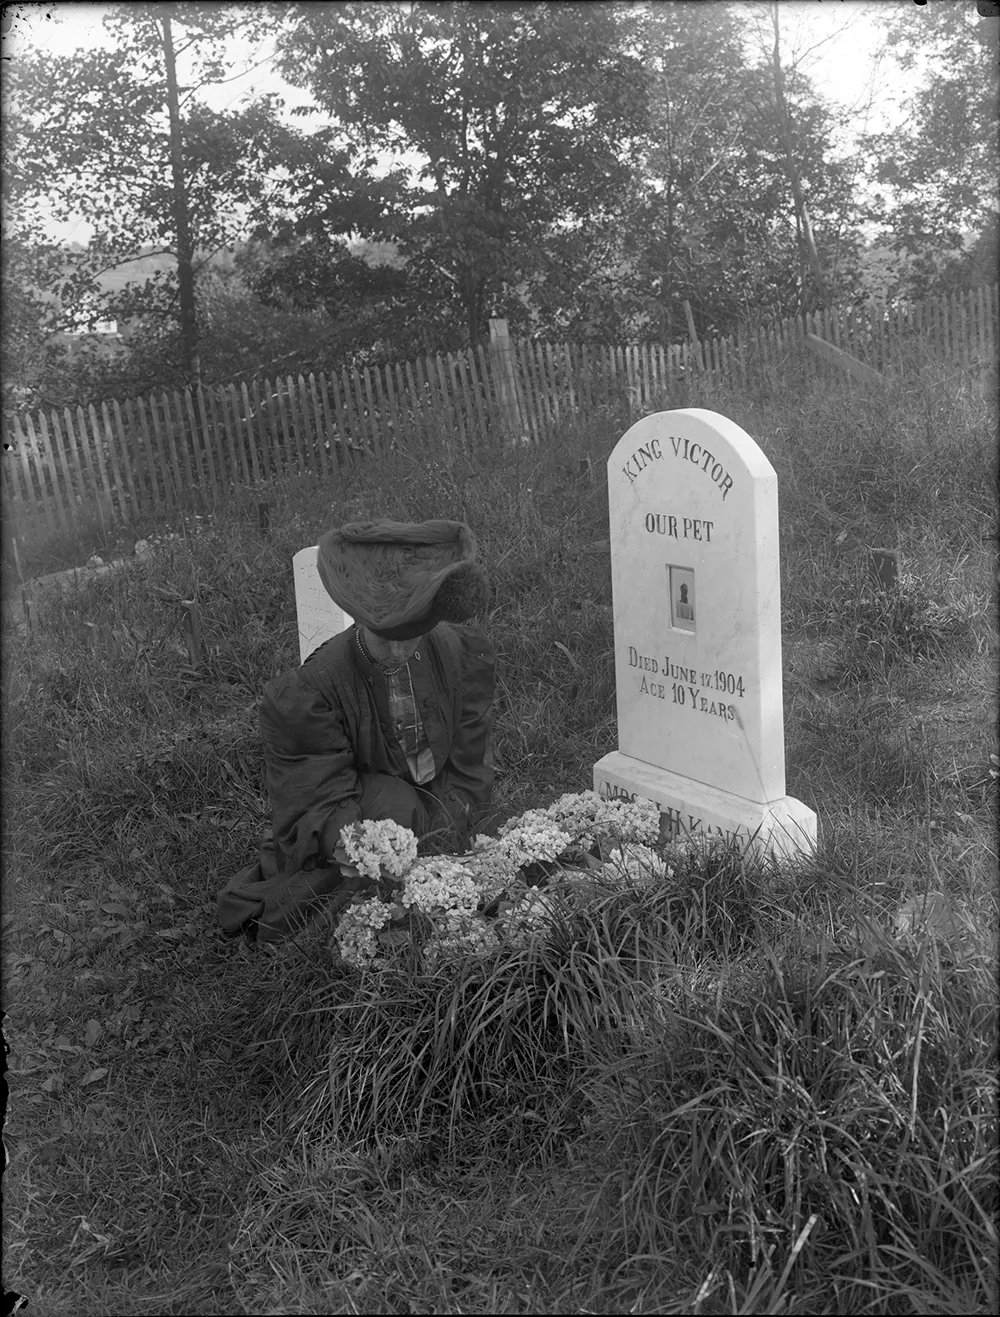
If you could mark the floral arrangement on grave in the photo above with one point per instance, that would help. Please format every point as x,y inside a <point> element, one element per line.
<point>453,906</point>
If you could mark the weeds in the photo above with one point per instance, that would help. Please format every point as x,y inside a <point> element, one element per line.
<point>899,625</point>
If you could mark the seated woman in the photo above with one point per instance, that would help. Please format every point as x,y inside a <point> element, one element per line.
<point>389,720</point>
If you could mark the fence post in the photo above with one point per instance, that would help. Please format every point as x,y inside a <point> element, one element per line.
<point>192,635</point>
<point>502,359</point>
<point>883,569</point>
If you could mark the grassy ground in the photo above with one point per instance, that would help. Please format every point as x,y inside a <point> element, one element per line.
<point>798,1115</point>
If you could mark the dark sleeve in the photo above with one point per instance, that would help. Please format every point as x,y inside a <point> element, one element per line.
<point>311,776</point>
<point>465,784</point>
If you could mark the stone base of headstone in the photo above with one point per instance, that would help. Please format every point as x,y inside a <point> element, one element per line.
<point>784,828</point>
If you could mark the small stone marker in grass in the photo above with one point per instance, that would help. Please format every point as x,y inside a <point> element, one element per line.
<point>697,604</point>
<point>319,618</point>
<point>883,564</point>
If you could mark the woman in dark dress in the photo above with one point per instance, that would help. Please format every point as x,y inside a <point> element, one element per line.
<point>391,719</point>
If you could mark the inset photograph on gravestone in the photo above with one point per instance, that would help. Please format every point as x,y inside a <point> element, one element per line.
<point>680,585</point>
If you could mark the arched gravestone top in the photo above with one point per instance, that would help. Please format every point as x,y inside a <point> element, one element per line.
<point>319,618</point>
<point>693,505</point>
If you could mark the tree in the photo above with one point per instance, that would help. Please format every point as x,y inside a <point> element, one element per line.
<point>111,135</point>
<point>31,318</point>
<point>938,175</point>
<point>163,26</point>
<point>711,218</point>
<point>374,311</point>
<point>29,268</point>
<point>707,191</point>
<point>803,219</point>
<point>520,117</point>
<point>819,193</point>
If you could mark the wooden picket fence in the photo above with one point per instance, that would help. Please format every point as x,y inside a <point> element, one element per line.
<point>181,449</point>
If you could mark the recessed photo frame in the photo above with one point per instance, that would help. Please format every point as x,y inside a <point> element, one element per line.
<point>680,589</point>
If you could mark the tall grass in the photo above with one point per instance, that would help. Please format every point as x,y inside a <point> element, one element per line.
<point>745,1090</point>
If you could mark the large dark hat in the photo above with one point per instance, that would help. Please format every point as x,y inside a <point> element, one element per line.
<point>400,578</point>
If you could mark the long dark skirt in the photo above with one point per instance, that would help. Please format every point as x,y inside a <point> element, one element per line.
<point>260,902</point>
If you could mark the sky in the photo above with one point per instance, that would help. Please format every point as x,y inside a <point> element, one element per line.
<point>835,40</point>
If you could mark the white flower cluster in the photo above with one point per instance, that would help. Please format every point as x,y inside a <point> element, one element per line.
<point>494,861</point>
<point>379,846</point>
<point>355,935</point>
<point>637,863</point>
<point>532,840</point>
<point>584,814</point>
<point>446,891</point>
<point>629,821</point>
<point>440,886</point>
<point>490,867</point>
<point>450,890</point>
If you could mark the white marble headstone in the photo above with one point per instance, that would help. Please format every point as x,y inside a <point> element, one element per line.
<point>697,608</point>
<point>319,618</point>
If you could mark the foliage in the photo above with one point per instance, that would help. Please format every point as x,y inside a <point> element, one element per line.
<point>938,173</point>
<point>31,319</point>
<point>240,337</point>
<point>518,114</point>
<point>380,314</point>
<point>715,224</point>
<point>91,140</point>
<point>678,193</point>
<point>895,625</point>
<point>707,216</point>
<point>90,137</point>
<point>582,171</point>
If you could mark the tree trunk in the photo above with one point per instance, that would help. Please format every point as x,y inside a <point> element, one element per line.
<point>794,177</point>
<point>473,297</point>
<point>185,247</point>
<point>667,291</point>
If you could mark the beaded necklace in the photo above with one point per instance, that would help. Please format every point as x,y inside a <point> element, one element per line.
<point>386,672</point>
